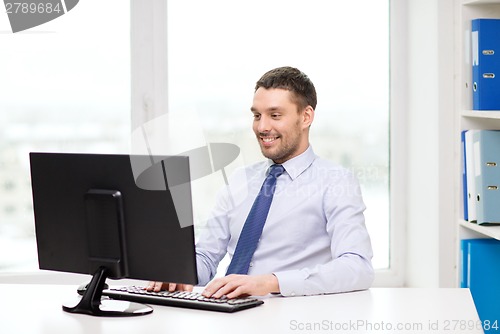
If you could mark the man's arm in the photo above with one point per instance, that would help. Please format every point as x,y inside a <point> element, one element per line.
<point>350,268</point>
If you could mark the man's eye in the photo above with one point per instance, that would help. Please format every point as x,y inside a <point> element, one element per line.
<point>275,115</point>
<point>256,116</point>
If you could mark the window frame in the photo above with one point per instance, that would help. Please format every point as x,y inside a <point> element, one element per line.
<point>398,101</point>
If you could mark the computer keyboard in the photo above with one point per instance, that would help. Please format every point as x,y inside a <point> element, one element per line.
<point>182,299</point>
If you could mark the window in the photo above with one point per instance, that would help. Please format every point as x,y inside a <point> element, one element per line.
<point>69,89</point>
<point>218,49</point>
<point>65,87</point>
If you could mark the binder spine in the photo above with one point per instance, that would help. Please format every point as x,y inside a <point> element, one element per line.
<point>485,42</point>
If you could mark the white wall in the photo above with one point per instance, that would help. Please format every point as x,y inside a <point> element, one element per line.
<point>430,233</point>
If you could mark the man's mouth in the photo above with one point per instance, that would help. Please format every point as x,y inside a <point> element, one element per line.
<point>268,140</point>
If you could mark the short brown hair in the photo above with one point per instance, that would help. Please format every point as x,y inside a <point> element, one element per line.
<point>293,80</point>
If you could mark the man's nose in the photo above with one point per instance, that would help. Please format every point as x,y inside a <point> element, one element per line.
<point>264,124</point>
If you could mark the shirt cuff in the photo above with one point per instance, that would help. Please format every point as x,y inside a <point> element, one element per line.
<point>292,282</point>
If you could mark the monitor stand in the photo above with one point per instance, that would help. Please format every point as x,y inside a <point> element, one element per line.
<point>91,302</point>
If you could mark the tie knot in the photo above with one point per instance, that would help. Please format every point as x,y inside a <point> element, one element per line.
<point>276,170</point>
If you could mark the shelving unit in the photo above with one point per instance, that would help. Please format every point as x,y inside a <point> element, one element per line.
<point>468,118</point>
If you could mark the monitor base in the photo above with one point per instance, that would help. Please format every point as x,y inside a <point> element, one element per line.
<point>109,308</point>
<point>93,304</point>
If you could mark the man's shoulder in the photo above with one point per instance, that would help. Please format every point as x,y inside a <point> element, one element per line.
<point>329,166</point>
<point>329,173</point>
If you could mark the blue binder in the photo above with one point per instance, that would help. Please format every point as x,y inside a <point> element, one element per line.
<point>464,259</point>
<point>482,273</point>
<point>487,170</point>
<point>465,194</point>
<point>486,64</point>
<point>470,176</point>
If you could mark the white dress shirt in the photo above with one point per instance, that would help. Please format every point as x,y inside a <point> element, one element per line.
<point>314,240</point>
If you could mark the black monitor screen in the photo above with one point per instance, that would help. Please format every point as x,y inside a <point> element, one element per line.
<point>118,215</point>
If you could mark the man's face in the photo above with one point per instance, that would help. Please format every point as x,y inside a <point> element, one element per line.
<point>281,129</point>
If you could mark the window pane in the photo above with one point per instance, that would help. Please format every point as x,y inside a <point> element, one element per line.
<point>65,87</point>
<point>218,49</point>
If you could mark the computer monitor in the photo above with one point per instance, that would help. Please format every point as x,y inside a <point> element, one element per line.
<point>96,214</point>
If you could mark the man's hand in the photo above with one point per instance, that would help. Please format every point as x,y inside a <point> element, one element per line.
<point>159,286</point>
<point>233,286</point>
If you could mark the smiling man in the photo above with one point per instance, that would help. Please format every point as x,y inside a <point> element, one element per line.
<point>293,224</point>
<point>281,121</point>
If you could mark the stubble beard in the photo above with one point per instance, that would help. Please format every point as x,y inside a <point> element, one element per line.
<point>283,152</point>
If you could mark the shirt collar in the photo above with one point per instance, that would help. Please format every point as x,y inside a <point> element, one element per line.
<point>295,166</point>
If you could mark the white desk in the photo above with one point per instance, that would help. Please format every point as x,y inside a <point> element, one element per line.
<point>27,309</point>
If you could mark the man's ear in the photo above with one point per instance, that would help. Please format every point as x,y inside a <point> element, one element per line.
<point>308,116</point>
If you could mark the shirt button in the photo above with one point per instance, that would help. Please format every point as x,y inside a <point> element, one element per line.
<point>251,264</point>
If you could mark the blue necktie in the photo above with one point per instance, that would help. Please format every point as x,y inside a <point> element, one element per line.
<point>252,229</point>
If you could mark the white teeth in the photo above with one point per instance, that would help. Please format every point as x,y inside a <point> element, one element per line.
<point>268,140</point>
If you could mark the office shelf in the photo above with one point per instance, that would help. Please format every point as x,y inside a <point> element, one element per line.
<point>480,2</point>
<point>493,114</point>
<point>491,231</point>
